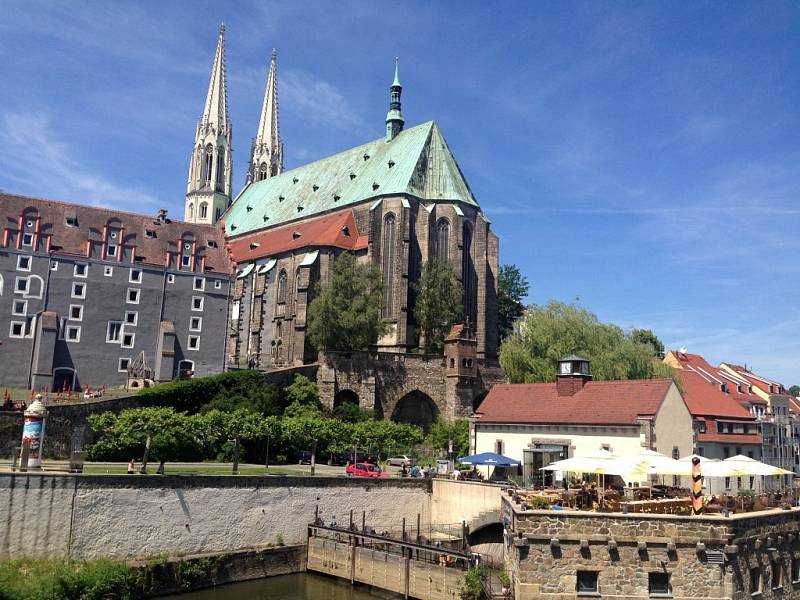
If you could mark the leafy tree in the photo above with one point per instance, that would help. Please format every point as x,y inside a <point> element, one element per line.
<point>350,412</point>
<point>438,304</point>
<point>303,397</point>
<point>795,390</point>
<point>384,435</point>
<point>512,287</point>
<point>441,432</point>
<point>346,314</point>
<point>646,336</point>
<point>300,432</point>
<point>555,330</point>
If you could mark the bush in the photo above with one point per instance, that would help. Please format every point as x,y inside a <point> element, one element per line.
<point>471,588</point>
<point>29,579</point>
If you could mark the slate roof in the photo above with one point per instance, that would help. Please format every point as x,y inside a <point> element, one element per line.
<point>417,162</point>
<point>597,403</point>
<point>337,230</point>
<point>92,219</point>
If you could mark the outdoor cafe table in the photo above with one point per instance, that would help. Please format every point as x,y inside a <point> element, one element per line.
<point>665,505</point>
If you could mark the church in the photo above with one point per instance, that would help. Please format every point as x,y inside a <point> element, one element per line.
<point>396,202</point>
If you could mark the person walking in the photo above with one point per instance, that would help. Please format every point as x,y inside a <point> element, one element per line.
<point>131,467</point>
<point>160,470</point>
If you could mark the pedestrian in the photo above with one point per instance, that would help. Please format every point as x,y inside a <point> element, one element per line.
<point>160,470</point>
<point>415,471</point>
<point>404,471</point>
<point>131,467</point>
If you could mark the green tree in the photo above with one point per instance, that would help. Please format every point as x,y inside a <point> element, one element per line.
<point>512,287</point>
<point>438,304</point>
<point>441,432</point>
<point>795,390</point>
<point>302,396</point>
<point>646,336</point>
<point>555,330</point>
<point>346,314</point>
<point>385,435</point>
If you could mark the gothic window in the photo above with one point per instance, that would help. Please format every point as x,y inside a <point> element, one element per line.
<point>262,171</point>
<point>388,257</point>
<point>296,289</point>
<point>208,163</point>
<point>191,211</point>
<point>442,239</point>
<point>282,287</point>
<point>220,167</point>
<point>466,273</point>
<point>203,210</point>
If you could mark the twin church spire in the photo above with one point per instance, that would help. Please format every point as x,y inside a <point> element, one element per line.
<point>209,186</point>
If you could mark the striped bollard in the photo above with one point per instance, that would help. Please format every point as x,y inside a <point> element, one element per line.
<point>697,487</point>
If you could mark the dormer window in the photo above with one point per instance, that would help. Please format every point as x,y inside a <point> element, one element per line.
<point>315,187</point>
<point>150,233</point>
<point>72,221</point>
<point>346,231</point>
<point>296,234</point>
<point>254,245</point>
<point>352,175</point>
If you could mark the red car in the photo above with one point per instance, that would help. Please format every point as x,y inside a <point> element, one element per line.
<point>365,470</point>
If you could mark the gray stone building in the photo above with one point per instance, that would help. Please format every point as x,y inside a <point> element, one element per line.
<point>84,291</point>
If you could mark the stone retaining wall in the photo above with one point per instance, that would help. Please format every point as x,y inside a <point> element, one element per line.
<point>705,557</point>
<point>86,516</point>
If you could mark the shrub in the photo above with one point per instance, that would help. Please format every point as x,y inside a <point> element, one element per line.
<point>30,579</point>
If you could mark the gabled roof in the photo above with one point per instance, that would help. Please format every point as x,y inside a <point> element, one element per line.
<point>597,403</point>
<point>91,220</point>
<point>336,230</point>
<point>417,162</point>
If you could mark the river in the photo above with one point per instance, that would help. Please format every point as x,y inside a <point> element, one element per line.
<point>301,586</point>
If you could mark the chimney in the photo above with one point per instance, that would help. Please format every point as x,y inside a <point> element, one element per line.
<point>162,215</point>
<point>573,374</point>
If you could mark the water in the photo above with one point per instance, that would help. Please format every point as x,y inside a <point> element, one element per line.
<point>301,586</point>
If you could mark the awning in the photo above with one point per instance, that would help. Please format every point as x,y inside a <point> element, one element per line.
<point>245,272</point>
<point>309,258</point>
<point>488,458</point>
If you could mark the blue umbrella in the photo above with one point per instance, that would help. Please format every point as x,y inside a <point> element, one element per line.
<point>488,458</point>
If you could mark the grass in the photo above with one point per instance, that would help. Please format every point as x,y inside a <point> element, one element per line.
<point>209,469</point>
<point>55,579</point>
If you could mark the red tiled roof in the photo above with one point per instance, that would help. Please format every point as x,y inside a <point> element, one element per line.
<point>92,220</point>
<point>598,403</point>
<point>336,230</point>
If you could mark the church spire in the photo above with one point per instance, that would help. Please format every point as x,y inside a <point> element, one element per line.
<point>394,118</point>
<point>208,189</point>
<point>266,157</point>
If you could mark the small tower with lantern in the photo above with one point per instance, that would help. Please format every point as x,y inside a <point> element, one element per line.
<point>573,373</point>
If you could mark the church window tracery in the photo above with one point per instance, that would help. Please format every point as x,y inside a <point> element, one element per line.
<point>442,239</point>
<point>466,273</point>
<point>208,163</point>
<point>282,287</point>
<point>203,210</point>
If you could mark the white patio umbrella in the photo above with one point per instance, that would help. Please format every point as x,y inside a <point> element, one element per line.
<point>600,463</point>
<point>744,465</point>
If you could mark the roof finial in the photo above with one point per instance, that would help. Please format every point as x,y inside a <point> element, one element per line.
<point>222,28</point>
<point>394,118</point>
<point>396,71</point>
<point>274,55</point>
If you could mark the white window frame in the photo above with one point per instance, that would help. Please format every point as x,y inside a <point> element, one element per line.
<point>170,278</point>
<point>111,250</point>
<point>196,338</point>
<point>54,265</point>
<point>20,258</point>
<point>27,285</point>
<point>79,296</point>
<point>135,318</point>
<point>21,325</point>
<point>132,279</point>
<point>202,286</point>
<point>14,303</point>
<point>80,309</point>
<point>122,340</point>
<point>120,332</point>
<point>108,271</point>
<point>186,260</point>
<point>124,369</point>
<point>217,284</point>
<point>74,328</point>
<point>85,270</point>
<point>128,296</point>
<point>199,324</point>
<point>202,302</point>
<point>29,237</point>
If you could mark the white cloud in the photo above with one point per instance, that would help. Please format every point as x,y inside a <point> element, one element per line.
<point>42,164</point>
<point>314,100</point>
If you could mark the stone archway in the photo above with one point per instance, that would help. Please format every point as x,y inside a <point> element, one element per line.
<point>416,408</point>
<point>344,397</point>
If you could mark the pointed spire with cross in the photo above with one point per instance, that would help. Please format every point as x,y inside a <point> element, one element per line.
<point>266,158</point>
<point>394,118</point>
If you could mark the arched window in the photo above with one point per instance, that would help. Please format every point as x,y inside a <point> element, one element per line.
<point>220,166</point>
<point>263,172</point>
<point>467,278</point>
<point>296,294</point>
<point>388,258</point>
<point>208,163</point>
<point>191,210</point>
<point>203,210</point>
<point>282,287</point>
<point>443,239</point>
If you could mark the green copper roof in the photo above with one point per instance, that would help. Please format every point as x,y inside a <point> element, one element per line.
<point>417,162</point>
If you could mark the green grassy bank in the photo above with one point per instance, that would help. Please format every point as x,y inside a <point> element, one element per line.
<point>33,579</point>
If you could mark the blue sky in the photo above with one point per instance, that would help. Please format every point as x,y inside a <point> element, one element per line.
<point>643,157</point>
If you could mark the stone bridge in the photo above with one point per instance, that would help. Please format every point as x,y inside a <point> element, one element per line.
<point>411,388</point>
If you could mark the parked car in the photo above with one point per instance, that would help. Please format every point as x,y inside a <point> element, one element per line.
<point>303,457</point>
<point>365,470</point>
<point>400,460</point>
